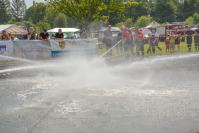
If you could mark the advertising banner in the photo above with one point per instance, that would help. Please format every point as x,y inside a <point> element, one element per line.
<point>6,48</point>
<point>32,49</point>
<point>74,46</point>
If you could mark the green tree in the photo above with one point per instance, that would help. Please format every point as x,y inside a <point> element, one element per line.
<point>164,11</point>
<point>40,26</point>
<point>85,12</point>
<point>82,11</point>
<point>36,13</point>
<point>189,21</point>
<point>194,19</point>
<point>114,10</point>
<point>143,21</point>
<point>60,20</point>
<point>187,9</point>
<point>136,9</point>
<point>129,22</point>
<point>18,8</point>
<point>4,11</point>
<point>50,16</point>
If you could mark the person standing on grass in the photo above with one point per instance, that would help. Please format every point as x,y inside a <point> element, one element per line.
<point>152,44</point>
<point>172,45</point>
<point>177,41</point>
<point>140,42</point>
<point>108,39</point>
<point>167,43</point>
<point>127,37</point>
<point>157,42</point>
<point>189,40</point>
<point>196,40</point>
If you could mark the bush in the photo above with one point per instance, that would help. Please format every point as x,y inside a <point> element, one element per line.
<point>143,21</point>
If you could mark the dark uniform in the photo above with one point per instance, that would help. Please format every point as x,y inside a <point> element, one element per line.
<point>196,41</point>
<point>44,35</point>
<point>59,35</point>
<point>108,40</point>
<point>189,41</point>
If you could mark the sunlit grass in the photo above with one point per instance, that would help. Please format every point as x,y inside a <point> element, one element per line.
<point>183,49</point>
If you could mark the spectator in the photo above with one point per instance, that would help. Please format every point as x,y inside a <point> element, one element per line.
<point>108,39</point>
<point>196,40</point>
<point>189,40</point>
<point>84,34</point>
<point>11,36</point>
<point>157,42</point>
<point>139,42</point>
<point>177,41</point>
<point>172,43</point>
<point>60,38</point>
<point>44,35</point>
<point>167,43</point>
<point>152,44</point>
<point>119,47</point>
<point>127,40</point>
<point>59,34</point>
<point>31,34</point>
<point>5,36</point>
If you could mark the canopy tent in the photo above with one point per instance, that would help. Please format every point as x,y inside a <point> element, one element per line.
<point>13,29</point>
<point>195,29</point>
<point>64,30</point>
<point>69,33</point>
<point>153,24</point>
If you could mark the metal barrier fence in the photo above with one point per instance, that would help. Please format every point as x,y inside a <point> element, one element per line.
<point>38,49</point>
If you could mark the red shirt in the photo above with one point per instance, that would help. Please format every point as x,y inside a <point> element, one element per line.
<point>126,35</point>
<point>167,42</point>
<point>139,36</point>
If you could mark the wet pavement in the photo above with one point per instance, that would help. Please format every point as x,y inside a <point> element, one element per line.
<point>159,95</point>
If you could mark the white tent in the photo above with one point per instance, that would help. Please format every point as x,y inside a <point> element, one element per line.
<point>13,29</point>
<point>153,24</point>
<point>63,30</point>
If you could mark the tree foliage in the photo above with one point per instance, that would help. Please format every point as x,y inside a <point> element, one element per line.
<point>194,19</point>
<point>4,11</point>
<point>50,16</point>
<point>164,11</point>
<point>18,8</point>
<point>36,13</point>
<point>82,11</point>
<point>136,9</point>
<point>39,27</point>
<point>60,20</point>
<point>143,21</point>
<point>188,8</point>
<point>114,11</point>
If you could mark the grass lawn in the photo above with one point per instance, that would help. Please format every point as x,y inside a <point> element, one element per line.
<point>183,49</point>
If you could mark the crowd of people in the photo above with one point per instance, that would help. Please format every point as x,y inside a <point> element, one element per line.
<point>129,42</point>
<point>132,42</point>
<point>31,35</point>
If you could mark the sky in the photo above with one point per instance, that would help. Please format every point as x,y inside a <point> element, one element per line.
<point>29,2</point>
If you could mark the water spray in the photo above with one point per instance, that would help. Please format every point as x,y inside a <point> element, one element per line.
<point>105,53</point>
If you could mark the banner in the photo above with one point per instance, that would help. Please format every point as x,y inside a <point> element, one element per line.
<point>74,46</point>
<point>39,50</point>
<point>6,48</point>
<point>32,49</point>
